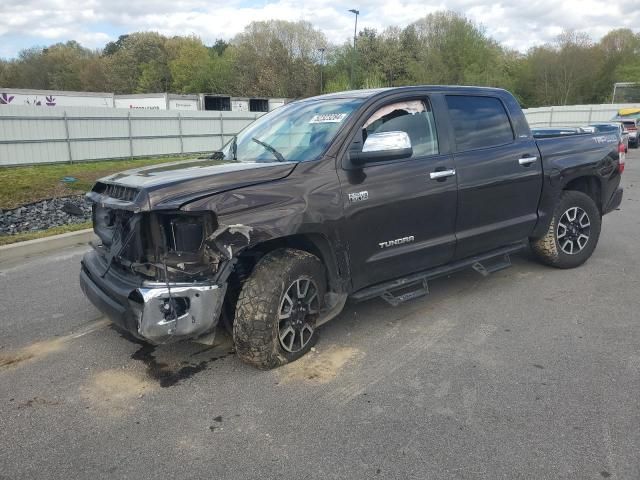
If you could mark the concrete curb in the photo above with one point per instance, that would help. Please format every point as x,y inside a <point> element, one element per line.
<point>16,251</point>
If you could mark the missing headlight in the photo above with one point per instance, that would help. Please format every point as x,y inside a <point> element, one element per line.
<point>187,234</point>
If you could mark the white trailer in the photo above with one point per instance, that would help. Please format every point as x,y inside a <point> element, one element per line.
<point>158,101</point>
<point>183,102</point>
<point>276,103</point>
<point>54,98</point>
<point>143,101</point>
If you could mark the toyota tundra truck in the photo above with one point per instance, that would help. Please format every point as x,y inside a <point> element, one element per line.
<point>352,195</point>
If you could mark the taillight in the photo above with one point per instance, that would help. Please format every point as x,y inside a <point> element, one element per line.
<point>621,157</point>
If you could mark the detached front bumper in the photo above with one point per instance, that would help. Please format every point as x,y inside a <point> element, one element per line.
<point>151,311</point>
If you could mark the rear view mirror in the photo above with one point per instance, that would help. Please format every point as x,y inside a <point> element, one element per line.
<point>382,146</point>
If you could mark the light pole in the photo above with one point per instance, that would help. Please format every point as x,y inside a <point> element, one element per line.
<point>321,50</point>
<point>355,32</point>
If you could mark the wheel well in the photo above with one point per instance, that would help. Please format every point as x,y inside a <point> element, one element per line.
<point>315,244</point>
<point>588,185</point>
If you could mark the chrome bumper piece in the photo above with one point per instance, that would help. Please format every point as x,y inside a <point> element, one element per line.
<point>197,313</point>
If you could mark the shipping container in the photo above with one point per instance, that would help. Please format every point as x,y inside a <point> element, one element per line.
<point>54,98</point>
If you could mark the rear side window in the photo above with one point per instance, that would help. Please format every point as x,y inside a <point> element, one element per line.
<point>479,122</point>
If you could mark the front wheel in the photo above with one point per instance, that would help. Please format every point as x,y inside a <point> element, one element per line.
<point>277,309</point>
<point>573,233</point>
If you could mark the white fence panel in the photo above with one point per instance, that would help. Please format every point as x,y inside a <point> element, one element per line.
<point>30,135</point>
<point>96,149</point>
<point>573,115</point>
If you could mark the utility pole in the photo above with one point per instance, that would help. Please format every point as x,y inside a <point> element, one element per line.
<point>321,50</point>
<point>355,33</point>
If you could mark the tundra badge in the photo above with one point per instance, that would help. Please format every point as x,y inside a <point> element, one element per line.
<point>397,241</point>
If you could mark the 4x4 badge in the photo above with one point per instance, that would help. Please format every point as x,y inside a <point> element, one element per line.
<point>359,196</point>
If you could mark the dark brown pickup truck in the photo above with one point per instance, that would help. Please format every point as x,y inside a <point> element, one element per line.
<point>349,195</point>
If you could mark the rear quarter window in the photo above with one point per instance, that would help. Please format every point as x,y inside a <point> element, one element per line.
<point>479,122</point>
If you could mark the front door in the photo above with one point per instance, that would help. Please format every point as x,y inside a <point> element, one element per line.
<point>399,219</point>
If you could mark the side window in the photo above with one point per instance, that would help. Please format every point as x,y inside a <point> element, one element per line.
<point>414,117</point>
<point>479,122</point>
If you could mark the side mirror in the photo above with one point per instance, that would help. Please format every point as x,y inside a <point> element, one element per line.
<point>383,146</point>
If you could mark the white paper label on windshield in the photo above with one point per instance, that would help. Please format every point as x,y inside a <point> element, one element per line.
<point>328,118</point>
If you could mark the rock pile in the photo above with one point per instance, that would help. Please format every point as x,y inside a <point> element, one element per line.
<point>45,214</point>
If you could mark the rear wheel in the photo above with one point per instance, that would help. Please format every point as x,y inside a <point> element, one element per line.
<point>277,309</point>
<point>573,233</point>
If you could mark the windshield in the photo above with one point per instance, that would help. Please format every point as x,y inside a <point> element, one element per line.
<point>296,132</point>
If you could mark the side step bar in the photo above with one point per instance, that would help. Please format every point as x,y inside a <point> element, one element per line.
<point>492,265</point>
<point>415,285</point>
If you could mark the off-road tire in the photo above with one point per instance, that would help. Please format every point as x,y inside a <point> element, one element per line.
<point>547,248</point>
<point>256,325</point>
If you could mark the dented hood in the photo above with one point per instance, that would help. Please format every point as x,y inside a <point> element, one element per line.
<point>171,185</point>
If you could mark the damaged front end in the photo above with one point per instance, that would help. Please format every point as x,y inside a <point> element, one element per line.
<point>161,275</point>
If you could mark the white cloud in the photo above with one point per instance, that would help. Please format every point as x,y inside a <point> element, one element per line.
<point>518,24</point>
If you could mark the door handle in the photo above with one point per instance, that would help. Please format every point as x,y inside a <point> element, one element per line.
<point>525,161</point>
<point>442,174</point>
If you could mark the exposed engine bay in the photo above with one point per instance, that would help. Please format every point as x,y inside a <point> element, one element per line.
<point>178,262</point>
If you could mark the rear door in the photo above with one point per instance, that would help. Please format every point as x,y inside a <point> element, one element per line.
<point>399,219</point>
<point>499,175</point>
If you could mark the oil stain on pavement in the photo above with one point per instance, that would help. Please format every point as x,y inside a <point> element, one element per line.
<point>167,375</point>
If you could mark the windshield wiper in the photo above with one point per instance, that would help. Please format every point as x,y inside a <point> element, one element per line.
<point>268,147</point>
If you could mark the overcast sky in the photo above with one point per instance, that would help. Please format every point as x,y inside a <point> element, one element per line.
<point>518,24</point>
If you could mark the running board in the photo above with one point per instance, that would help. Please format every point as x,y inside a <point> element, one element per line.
<point>399,295</point>
<point>413,286</point>
<point>491,266</point>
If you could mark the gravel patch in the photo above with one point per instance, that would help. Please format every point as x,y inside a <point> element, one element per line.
<point>50,213</point>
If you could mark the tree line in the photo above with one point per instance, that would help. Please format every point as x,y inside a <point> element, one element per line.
<point>283,59</point>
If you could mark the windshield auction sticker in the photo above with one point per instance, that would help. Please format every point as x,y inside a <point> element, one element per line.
<point>328,118</point>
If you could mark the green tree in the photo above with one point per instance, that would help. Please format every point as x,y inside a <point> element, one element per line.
<point>562,73</point>
<point>63,64</point>
<point>189,64</point>
<point>135,55</point>
<point>448,48</point>
<point>93,75</point>
<point>219,47</point>
<point>278,58</point>
<point>112,47</point>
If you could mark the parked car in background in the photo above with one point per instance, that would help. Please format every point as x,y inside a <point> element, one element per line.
<point>616,127</point>
<point>630,119</point>
<point>631,128</point>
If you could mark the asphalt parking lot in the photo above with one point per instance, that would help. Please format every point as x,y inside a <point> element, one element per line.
<point>529,373</point>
